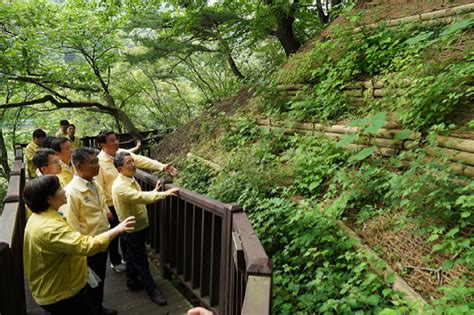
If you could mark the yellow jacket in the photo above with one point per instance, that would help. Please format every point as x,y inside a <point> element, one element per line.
<point>129,199</point>
<point>108,173</point>
<point>54,257</point>
<point>76,143</point>
<point>67,173</point>
<point>60,133</point>
<point>86,209</point>
<point>29,152</point>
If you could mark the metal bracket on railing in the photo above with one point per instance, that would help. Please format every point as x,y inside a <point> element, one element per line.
<point>237,251</point>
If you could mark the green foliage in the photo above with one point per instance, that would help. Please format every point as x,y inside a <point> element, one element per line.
<point>380,47</point>
<point>242,132</point>
<point>316,161</point>
<point>195,175</point>
<point>456,300</point>
<point>252,173</point>
<point>316,269</point>
<point>431,98</point>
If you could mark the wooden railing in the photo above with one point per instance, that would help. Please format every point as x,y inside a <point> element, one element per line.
<point>211,248</point>
<point>12,225</point>
<point>207,245</point>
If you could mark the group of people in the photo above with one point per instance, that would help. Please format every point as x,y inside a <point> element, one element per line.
<point>80,200</point>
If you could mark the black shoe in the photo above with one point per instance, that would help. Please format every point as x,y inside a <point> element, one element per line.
<point>108,311</point>
<point>135,286</point>
<point>157,297</point>
<point>119,268</point>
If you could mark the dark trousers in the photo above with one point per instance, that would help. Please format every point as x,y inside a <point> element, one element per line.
<point>78,304</point>
<point>98,264</point>
<point>137,260</point>
<point>114,254</point>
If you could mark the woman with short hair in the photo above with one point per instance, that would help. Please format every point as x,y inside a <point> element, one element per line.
<point>54,254</point>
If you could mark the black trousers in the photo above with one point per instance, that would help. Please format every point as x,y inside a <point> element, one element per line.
<point>78,304</point>
<point>98,264</point>
<point>114,254</point>
<point>137,260</point>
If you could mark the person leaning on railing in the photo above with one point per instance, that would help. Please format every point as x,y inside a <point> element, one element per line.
<point>129,199</point>
<point>54,254</point>
<point>109,144</point>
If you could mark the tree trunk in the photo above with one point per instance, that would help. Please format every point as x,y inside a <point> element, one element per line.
<point>120,116</point>
<point>234,68</point>
<point>117,123</point>
<point>4,158</point>
<point>323,18</point>
<point>284,31</point>
<point>126,122</point>
<point>285,34</point>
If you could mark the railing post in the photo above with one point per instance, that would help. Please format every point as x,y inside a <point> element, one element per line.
<point>226,251</point>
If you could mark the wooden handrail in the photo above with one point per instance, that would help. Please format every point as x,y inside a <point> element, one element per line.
<point>12,224</point>
<point>196,238</point>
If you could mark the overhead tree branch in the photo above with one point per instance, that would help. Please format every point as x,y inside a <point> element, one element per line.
<point>58,104</point>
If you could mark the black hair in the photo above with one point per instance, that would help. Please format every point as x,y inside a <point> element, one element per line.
<point>39,133</point>
<point>38,190</point>
<point>40,158</point>
<point>47,141</point>
<point>71,125</point>
<point>56,143</point>
<point>102,136</point>
<point>80,155</point>
<point>64,122</point>
<point>119,157</point>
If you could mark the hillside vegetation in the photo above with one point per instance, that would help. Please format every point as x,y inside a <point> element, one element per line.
<point>415,212</point>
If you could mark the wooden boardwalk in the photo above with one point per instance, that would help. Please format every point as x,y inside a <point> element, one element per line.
<point>117,296</point>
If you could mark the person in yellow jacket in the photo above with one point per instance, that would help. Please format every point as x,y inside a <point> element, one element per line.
<point>64,148</point>
<point>47,162</point>
<point>129,199</point>
<point>88,214</point>
<point>71,135</point>
<point>54,254</point>
<point>37,142</point>
<point>108,142</point>
<point>62,128</point>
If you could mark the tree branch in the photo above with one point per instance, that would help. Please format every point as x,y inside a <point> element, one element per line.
<point>58,104</point>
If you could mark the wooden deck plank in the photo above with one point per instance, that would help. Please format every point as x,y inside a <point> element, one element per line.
<point>117,296</point>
